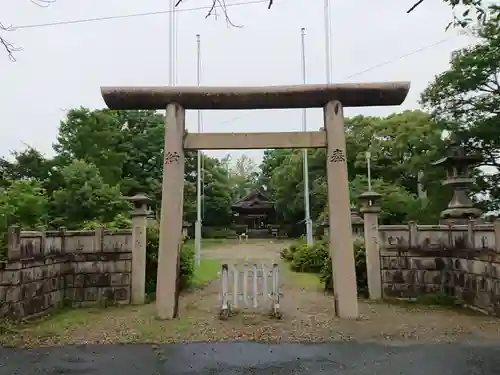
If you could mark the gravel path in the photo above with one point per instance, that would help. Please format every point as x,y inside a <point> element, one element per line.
<point>309,314</point>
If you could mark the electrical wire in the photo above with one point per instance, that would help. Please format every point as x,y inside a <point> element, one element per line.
<point>369,69</point>
<point>248,2</point>
<point>401,57</point>
<point>107,18</point>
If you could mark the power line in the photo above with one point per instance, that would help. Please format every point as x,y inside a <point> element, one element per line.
<point>421,49</point>
<point>248,2</point>
<point>107,18</point>
<point>373,67</point>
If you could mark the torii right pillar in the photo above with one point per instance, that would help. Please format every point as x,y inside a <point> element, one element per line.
<point>339,214</point>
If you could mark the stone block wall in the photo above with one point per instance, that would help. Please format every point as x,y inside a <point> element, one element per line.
<point>457,260</point>
<point>48,269</point>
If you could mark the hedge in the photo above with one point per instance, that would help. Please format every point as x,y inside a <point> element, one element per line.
<point>316,259</point>
<point>186,266</point>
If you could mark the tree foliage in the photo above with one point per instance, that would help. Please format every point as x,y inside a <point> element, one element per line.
<point>103,156</point>
<point>465,99</point>
<point>84,196</point>
<point>23,203</point>
<point>401,146</point>
<point>244,175</point>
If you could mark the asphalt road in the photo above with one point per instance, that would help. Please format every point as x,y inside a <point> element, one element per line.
<point>254,358</point>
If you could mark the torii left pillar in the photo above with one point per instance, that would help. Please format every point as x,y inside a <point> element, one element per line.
<point>167,287</point>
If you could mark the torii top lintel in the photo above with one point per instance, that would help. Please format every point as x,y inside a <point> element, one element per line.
<point>256,97</point>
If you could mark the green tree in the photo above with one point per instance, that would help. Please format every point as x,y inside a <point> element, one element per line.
<point>127,149</point>
<point>398,204</point>
<point>401,146</point>
<point>244,174</point>
<point>30,164</point>
<point>22,203</point>
<point>272,159</point>
<point>216,194</point>
<point>465,99</point>
<point>84,197</point>
<point>126,146</point>
<point>472,11</point>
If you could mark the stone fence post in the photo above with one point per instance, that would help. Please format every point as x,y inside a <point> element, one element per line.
<point>370,208</point>
<point>139,242</point>
<point>14,242</point>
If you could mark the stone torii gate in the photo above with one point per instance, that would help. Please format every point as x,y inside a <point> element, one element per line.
<point>331,97</point>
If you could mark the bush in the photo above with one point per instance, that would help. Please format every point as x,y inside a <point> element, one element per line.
<point>319,231</point>
<point>186,262</point>
<point>316,259</point>
<point>288,252</point>
<point>360,264</point>
<point>119,222</point>
<point>310,259</point>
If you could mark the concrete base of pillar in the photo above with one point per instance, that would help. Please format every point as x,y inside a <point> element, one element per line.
<point>309,232</point>
<point>197,242</point>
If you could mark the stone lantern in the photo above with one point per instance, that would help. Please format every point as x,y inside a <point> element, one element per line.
<point>140,202</point>
<point>357,222</point>
<point>326,229</point>
<point>370,202</point>
<point>185,229</point>
<point>458,166</point>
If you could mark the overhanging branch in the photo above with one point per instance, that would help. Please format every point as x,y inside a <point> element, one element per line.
<point>222,5</point>
<point>9,46</point>
<point>415,6</point>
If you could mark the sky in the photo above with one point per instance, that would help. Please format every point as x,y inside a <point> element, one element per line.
<point>63,66</point>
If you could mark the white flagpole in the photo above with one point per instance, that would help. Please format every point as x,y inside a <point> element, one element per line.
<point>198,166</point>
<point>308,221</point>
<point>327,42</point>
<point>176,45</point>
<point>369,169</point>
<point>171,44</point>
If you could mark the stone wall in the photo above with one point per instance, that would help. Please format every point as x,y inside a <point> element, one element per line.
<point>457,260</point>
<point>49,269</point>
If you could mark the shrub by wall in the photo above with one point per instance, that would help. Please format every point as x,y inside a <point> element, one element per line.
<point>186,266</point>
<point>361,274</point>
<point>310,258</point>
<point>316,259</point>
<point>288,252</point>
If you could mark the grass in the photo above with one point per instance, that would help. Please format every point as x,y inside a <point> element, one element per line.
<point>304,280</point>
<point>204,273</point>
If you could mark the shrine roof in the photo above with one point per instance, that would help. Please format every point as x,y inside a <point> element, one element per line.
<point>256,199</point>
